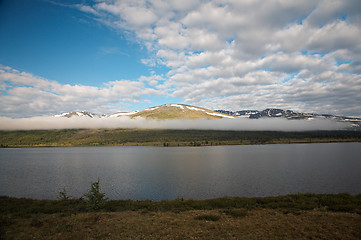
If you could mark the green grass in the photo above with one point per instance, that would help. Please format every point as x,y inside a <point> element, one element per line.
<point>137,137</point>
<point>330,202</point>
<point>297,216</point>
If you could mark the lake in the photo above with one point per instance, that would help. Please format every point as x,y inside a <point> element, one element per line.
<point>160,173</point>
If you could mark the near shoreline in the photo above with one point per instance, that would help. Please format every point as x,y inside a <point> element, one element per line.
<point>298,216</point>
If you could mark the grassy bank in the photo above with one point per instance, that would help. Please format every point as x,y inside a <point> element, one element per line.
<point>302,216</point>
<point>330,202</point>
<point>136,137</point>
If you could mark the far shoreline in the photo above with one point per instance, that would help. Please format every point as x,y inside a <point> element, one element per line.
<point>301,201</point>
<point>155,144</point>
<point>167,138</point>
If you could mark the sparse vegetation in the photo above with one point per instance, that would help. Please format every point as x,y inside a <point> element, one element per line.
<point>326,202</point>
<point>304,216</point>
<point>137,137</point>
<point>208,217</point>
<point>235,212</point>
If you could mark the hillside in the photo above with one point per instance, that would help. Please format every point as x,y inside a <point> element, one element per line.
<point>138,137</point>
<point>178,111</point>
<point>166,111</point>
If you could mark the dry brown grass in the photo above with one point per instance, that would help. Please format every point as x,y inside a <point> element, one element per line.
<point>257,224</point>
<point>171,112</point>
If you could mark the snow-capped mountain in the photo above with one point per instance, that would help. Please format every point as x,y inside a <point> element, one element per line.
<point>269,112</point>
<point>79,114</point>
<point>182,111</point>
<point>289,114</point>
<point>178,111</point>
<point>166,111</point>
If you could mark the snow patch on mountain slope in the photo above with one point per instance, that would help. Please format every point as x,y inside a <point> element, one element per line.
<point>151,109</point>
<point>177,105</point>
<point>119,114</point>
<point>78,114</point>
<point>219,115</point>
<point>196,109</point>
<point>61,115</point>
<point>209,113</point>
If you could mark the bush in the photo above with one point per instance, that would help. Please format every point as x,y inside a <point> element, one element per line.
<point>96,199</point>
<point>63,195</point>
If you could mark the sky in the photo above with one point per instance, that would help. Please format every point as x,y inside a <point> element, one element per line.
<point>106,56</point>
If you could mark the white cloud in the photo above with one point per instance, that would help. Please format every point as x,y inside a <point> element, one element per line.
<point>333,36</point>
<point>230,54</point>
<point>29,95</point>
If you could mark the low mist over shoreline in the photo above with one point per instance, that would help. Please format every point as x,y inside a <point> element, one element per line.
<point>237,124</point>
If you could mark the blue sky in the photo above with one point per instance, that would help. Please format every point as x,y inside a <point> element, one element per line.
<point>121,55</point>
<point>64,44</point>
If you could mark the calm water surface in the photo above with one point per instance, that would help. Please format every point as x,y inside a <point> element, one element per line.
<point>159,173</point>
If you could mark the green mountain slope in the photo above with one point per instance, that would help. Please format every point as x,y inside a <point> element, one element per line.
<point>178,111</point>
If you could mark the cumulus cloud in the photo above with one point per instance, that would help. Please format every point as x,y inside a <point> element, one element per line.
<point>26,95</point>
<point>249,54</point>
<point>221,54</point>
<point>241,124</point>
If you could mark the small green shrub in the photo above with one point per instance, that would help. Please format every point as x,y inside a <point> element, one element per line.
<point>96,199</point>
<point>63,195</point>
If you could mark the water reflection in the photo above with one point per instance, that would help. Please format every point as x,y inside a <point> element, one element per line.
<point>191,172</point>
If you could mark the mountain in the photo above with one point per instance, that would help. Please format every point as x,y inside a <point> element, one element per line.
<point>166,111</point>
<point>289,114</point>
<point>176,111</point>
<point>269,112</point>
<point>79,114</point>
<point>182,111</point>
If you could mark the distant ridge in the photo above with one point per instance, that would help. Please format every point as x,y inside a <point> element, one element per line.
<point>79,114</point>
<point>166,111</point>
<point>183,111</point>
<point>291,115</point>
